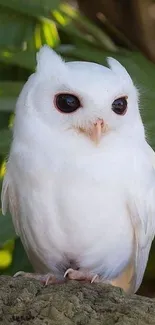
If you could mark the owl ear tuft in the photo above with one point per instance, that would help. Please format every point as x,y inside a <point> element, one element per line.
<point>48,60</point>
<point>118,68</point>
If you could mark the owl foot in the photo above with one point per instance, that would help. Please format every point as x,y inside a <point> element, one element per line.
<point>46,279</point>
<point>81,276</point>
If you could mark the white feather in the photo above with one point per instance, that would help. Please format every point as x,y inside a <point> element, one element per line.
<point>9,199</point>
<point>73,200</point>
<point>142,212</point>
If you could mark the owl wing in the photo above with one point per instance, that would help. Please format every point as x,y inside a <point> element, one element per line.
<point>9,200</point>
<point>141,210</point>
<point>142,213</point>
<point>152,156</point>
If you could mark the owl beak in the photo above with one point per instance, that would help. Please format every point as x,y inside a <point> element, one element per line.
<point>96,131</point>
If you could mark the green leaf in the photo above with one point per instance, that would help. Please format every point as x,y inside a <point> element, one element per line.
<point>25,59</point>
<point>45,33</point>
<point>84,53</point>
<point>10,89</point>
<point>9,92</point>
<point>7,104</point>
<point>5,140</point>
<point>15,29</point>
<point>6,229</point>
<point>51,36</point>
<point>32,8</point>
<point>4,119</point>
<point>143,73</point>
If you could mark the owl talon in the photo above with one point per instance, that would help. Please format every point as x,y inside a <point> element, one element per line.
<point>19,273</point>
<point>67,272</point>
<point>95,278</point>
<point>81,275</point>
<point>43,278</point>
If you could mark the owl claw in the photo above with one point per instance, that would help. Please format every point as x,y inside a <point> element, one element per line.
<point>49,278</point>
<point>81,275</point>
<point>46,279</point>
<point>19,273</point>
<point>67,272</point>
<point>95,278</point>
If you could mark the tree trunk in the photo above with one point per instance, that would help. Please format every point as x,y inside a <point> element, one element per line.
<point>134,18</point>
<point>27,302</point>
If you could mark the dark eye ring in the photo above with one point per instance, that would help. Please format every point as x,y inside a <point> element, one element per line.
<point>119,105</point>
<point>67,103</point>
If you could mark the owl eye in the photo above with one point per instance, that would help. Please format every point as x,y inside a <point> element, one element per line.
<point>119,106</point>
<point>67,103</point>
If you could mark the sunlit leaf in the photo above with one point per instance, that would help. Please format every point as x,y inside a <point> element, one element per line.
<point>50,33</point>
<point>37,36</point>
<point>5,258</point>
<point>20,261</point>
<point>60,18</point>
<point>2,169</point>
<point>9,245</point>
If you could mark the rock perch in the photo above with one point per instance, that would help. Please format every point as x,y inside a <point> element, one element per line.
<point>27,302</point>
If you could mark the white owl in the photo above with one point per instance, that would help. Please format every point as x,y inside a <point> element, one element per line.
<point>80,181</point>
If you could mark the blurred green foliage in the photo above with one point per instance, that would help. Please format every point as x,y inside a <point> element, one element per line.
<point>26,25</point>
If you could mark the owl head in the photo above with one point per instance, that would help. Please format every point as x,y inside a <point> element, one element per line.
<point>86,98</point>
